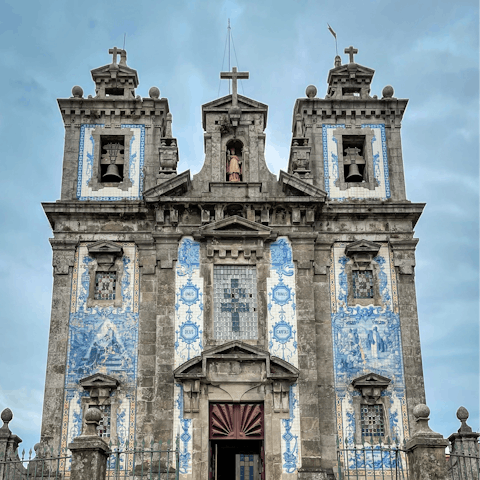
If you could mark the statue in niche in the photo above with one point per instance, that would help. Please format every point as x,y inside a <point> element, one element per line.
<point>234,166</point>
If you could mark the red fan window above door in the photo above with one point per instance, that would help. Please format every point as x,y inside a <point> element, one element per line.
<point>236,421</point>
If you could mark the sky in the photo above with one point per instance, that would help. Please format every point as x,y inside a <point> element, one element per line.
<point>428,51</point>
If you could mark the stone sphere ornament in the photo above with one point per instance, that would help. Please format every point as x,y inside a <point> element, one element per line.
<point>462,413</point>
<point>93,415</point>
<point>77,91</point>
<point>154,92</point>
<point>387,92</point>
<point>421,411</point>
<point>311,91</point>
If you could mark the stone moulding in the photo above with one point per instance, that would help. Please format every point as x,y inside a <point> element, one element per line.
<point>178,184</point>
<point>302,186</point>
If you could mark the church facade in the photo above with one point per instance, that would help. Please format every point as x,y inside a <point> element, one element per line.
<point>259,319</point>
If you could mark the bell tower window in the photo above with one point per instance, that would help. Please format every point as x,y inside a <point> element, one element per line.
<point>362,283</point>
<point>234,161</point>
<point>354,158</point>
<point>112,158</point>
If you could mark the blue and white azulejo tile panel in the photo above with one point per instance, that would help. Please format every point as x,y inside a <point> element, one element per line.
<point>134,158</point>
<point>366,339</point>
<point>380,165</point>
<point>282,340</point>
<point>103,340</point>
<point>188,302</point>
<point>184,429</point>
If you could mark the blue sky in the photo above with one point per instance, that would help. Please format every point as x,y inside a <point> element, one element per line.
<point>427,50</point>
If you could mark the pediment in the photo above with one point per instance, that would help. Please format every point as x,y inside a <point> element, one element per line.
<point>371,380</point>
<point>226,102</point>
<point>235,226</point>
<point>99,380</point>
<point>293,185</point>
<point>121,71</point>
<point>105,248</point>
<point>362,246</point>
<point>236,352</point>
<point>346,69</point>
<point>175,186</point>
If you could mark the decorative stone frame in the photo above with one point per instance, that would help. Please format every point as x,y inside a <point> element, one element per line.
<point>371,387</point>
<point>107,256</point>
<point>370,182</point>
<point>361,255</point>
<point>100,389</point>
<point>245,157</point>
<point>95,182</point>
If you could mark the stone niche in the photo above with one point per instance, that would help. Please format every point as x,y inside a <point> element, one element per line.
<point>236,372</point>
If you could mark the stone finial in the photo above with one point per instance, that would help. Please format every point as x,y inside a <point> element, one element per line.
<point>77,91</point>
<point>421,413</point>
<point>6,417</point>
<point>462,415</point>
<point>311,91</point>
<point>92,420</point>
<point>168,128</point>
<point>387,92</point>
<point>338,61</point>
<point>154,92</point>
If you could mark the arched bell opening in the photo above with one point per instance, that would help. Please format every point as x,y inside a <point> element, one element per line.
<point>234,161</point>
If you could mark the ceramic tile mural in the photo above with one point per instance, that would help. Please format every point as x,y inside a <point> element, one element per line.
<point>380,165</point>
<point>103,340</point>
<point>135,161</point>
<point>366,339</point>
<point>282,336</point>
<point>188,334</point>
<point>235,302</point>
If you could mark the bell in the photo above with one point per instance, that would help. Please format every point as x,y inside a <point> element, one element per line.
<point>112,174</point>
<point>354,174</point>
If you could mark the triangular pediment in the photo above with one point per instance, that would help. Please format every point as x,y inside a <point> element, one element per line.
<point>120,71</point>
<point>345,70</point>
<point>235,226</point>
<point>362,246</point>
<point>99,380</point>
<point>236,350</point>
<point>371,380</point>
<point>105,247</point>
<point>294,186</point>
<point>176,186</point>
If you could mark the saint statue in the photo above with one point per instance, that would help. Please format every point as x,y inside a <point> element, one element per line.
<point>234,167</point>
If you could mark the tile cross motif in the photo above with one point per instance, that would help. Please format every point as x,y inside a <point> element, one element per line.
<point>234,306</point>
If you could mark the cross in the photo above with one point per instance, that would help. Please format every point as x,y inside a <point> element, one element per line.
<point>118,51</point>
<point>351,51</point>
<point>233,305</point>
<point>234,75</point>
<point>114,51</point>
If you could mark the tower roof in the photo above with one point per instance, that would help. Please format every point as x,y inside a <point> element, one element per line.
<point>115,79</point>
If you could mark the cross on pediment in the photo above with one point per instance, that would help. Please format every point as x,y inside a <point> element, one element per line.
<point>118,51</point>
<point>234,75</point>
<point>351,52</point>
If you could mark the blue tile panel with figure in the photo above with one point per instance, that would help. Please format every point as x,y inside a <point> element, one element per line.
<point>367,339</point>
<point>103,340</point>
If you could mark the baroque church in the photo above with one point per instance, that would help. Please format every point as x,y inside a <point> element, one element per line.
<point>257,318</point>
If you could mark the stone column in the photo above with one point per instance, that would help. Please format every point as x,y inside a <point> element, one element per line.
<point>426,449</point>
<point>464,461</point>
<point>89,451</point>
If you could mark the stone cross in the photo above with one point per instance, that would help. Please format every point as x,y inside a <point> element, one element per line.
<point>351,51</point>
<point>114,51</point>
<point>234,75</point>
<point>118,51</point>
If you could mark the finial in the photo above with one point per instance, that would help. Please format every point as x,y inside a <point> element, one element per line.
<point>338,61</point>
<point>351,52</point>
<point>154,92</point>
<point>387,92</point>
<point>92,419</point>
<point>311,91</point>
<point>462,415</point>
<point>6,417</point>
<point>77,91</point>
<point>421,413</point>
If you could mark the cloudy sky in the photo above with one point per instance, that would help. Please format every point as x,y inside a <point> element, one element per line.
<point>427,50</point>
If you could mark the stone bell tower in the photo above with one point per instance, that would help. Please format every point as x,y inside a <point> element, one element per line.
<point>257,319</point>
